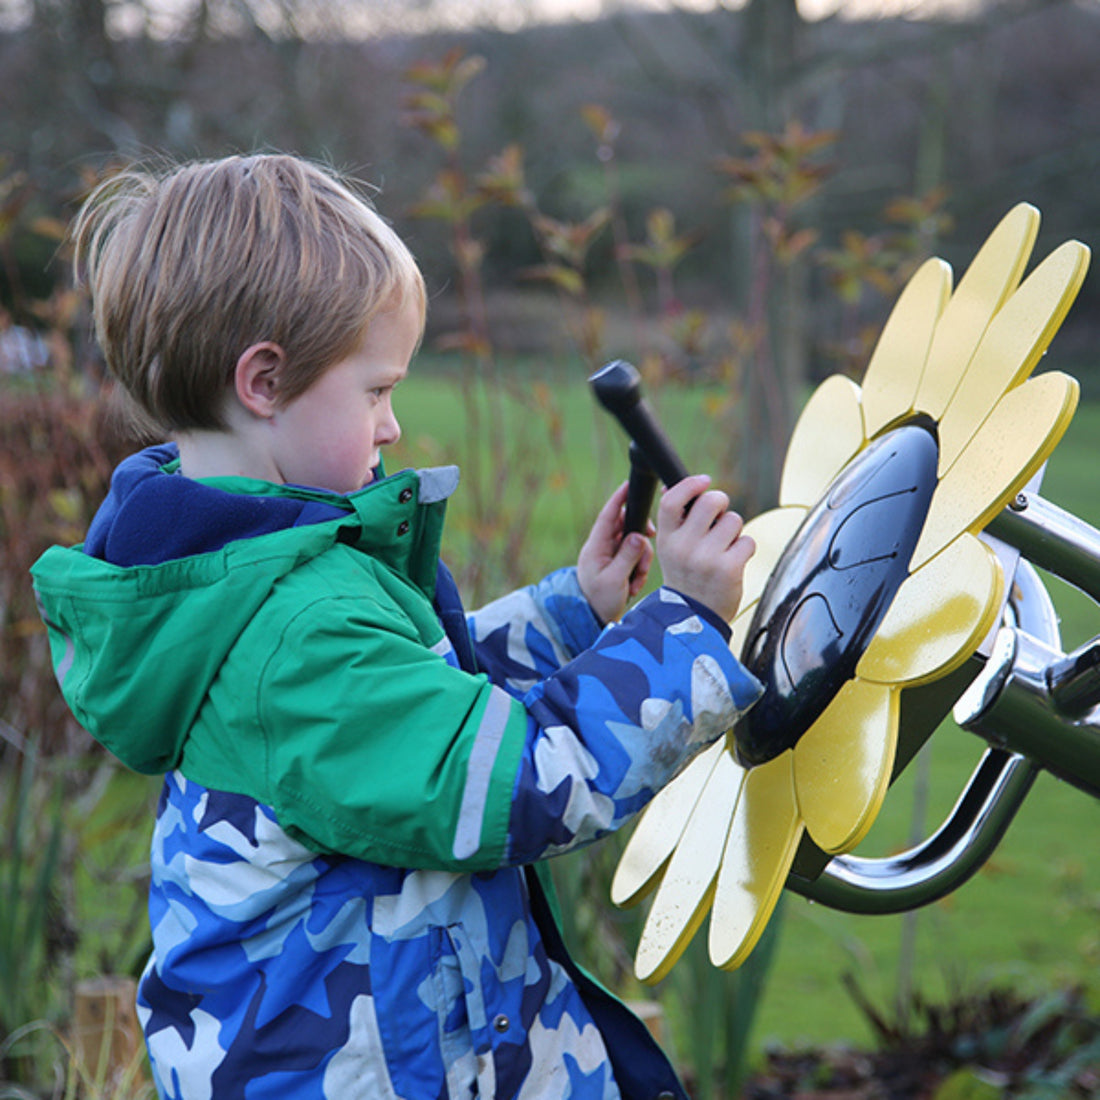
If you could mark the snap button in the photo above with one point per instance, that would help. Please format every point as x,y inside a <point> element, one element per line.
<point>501,1023</point>
<point>403,527</point>
<point>405,495</point>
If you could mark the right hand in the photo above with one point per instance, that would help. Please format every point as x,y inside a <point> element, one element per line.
<point>701,550</point>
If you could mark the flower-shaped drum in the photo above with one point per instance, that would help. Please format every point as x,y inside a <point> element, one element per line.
<point>870,579</point>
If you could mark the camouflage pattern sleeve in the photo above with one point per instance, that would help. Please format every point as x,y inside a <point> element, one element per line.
<point>525,636</point>
<point>615,724</point>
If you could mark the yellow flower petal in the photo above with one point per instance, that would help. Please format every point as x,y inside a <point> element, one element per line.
<point>659,829</point>
<point>759,852</point>
<point>771,531</point>
<point>684,896</point>
<point>897,363</point>
<point>828,434</point>
<point>992,276</point>
<point>1012,345</point>
<point>1016,439</point>
<point>739,628</point>
<point>938,618</point>
<point>843,763</point>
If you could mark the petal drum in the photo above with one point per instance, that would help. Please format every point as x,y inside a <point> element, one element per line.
<point>870,578</point>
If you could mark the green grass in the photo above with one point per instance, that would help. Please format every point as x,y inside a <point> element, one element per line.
<point>1029,918</point>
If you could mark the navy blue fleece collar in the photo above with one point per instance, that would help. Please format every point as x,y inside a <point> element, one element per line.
<point>154,514</point>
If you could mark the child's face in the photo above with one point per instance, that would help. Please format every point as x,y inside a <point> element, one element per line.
<point>330,437</point>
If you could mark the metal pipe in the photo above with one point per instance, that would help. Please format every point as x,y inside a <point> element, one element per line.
<point>1011,704</point>
<point>972,830</point>
<point>1074,680</point>
<point>1053,539</point>
<point>943,862</point>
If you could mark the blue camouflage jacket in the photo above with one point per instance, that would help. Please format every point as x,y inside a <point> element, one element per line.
<point>359,779</point>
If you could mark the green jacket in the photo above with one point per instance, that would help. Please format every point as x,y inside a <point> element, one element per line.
<point>214,664</point>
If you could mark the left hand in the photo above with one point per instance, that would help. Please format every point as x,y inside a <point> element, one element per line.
<point>612,569</point>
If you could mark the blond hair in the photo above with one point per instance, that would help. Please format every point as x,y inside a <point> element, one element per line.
<point>191,265</point>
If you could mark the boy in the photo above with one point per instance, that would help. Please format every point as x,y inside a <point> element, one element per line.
<point>359,780</point>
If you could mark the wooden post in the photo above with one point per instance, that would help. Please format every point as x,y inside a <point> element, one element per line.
<point>653,1016</point>
<point>107,1041</point>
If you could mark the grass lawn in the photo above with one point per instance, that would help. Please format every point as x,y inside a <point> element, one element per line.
<point>1029,918</point>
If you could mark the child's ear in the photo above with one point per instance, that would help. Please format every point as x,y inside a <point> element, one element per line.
<point>257,377</point>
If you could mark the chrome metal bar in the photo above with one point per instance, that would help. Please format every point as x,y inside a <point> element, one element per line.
<point>1053,539</point>
<point>944,861</point>
<point>1011,704</point>
<point>1074,680</point>
<point>972,830</point>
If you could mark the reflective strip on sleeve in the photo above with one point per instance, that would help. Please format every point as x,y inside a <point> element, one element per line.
<point>66,661</point>
<point>61,669</point>
<point>479,771</point>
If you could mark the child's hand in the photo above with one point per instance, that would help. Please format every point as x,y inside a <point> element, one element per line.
<point>702,552</point>
<point>612,569</point>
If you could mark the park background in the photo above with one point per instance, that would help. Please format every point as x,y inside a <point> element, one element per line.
<point>729,195</point>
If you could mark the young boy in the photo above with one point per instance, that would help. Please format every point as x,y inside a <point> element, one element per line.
<point>359,779</point>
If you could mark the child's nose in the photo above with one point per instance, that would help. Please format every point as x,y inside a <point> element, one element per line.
<point>389,431</point>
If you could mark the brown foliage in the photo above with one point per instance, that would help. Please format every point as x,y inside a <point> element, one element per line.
<point>990,1043</point>
<point>57,450</point>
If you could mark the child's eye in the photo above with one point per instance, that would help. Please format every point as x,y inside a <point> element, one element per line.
<point>378,392</point>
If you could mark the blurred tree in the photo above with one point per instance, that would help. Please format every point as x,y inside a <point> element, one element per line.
<point>761,67</point>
